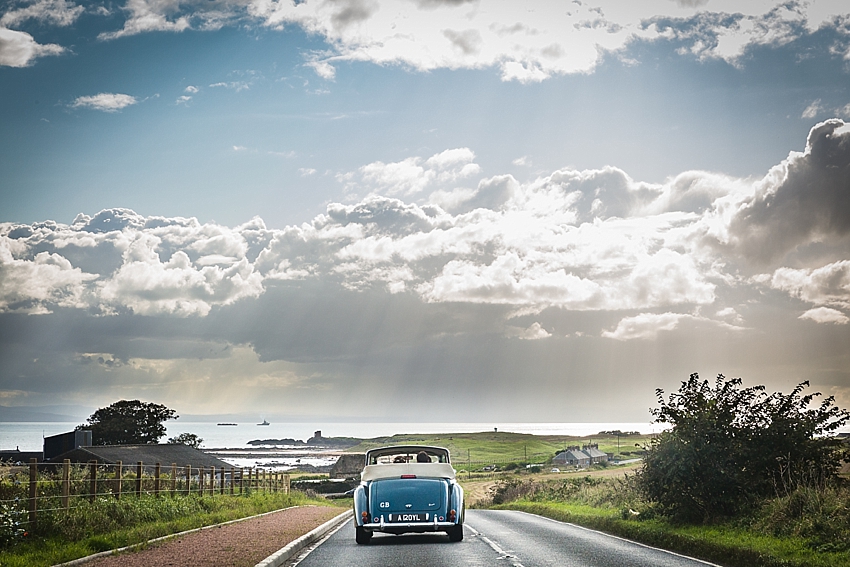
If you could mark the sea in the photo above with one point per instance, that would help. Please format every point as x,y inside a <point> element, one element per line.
<point>231,442</point>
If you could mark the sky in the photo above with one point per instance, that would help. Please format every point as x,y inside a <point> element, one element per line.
<point>421,210</point>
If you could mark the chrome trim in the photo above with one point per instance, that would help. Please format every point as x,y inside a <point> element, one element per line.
<point>435,526</point>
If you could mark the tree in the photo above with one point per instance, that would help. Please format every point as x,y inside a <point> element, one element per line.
<point>729,445</point>
<point>128,423</point>
<point>189,439</point>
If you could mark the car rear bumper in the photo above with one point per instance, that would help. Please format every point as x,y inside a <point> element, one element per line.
<point>401,527</point>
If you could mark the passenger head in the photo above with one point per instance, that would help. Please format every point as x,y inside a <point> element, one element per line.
<point>422,457</point>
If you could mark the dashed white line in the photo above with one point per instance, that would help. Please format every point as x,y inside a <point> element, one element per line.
<point>495,547</point>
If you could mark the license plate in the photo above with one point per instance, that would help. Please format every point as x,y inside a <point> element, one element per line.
<point>408,517</point>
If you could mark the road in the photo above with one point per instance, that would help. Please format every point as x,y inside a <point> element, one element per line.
<point>494,537</point>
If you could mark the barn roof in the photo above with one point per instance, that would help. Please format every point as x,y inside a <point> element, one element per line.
<point>164,454</point>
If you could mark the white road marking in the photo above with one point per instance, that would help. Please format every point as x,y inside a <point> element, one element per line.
<point>502,553</point>
<point>309,549</point>
<point>622,539</point>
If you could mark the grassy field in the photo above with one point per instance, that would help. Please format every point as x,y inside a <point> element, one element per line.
<point>506,447</point>
<point>109,524</point>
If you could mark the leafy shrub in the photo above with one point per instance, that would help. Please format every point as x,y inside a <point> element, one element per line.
<point>11,525</point>
<point>729,447</point>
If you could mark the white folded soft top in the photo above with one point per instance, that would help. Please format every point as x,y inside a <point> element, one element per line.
<point>398,460</point>
<point>396,470</point>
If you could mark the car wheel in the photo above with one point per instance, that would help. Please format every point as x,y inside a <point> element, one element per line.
<point>456,533</point>
<point>362,535</point>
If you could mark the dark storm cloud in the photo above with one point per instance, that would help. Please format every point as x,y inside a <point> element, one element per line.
<point>805,199</point>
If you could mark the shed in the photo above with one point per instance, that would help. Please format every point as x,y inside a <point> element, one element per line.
<point>348,466</point>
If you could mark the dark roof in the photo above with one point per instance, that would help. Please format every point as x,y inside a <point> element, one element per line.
<point>594,452</point>
<point>572,455</point>
<point>164,454</point>
<point>15,456</point>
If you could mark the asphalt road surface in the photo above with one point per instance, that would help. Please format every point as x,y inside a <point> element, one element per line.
<point>493,537</point>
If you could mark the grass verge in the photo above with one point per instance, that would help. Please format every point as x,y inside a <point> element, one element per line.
<point>109,524</point>
<point>723,544</point>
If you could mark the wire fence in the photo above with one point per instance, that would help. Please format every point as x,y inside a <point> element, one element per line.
<point>52,487</point>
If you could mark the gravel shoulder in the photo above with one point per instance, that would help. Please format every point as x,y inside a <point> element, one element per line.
<point>240,544</point>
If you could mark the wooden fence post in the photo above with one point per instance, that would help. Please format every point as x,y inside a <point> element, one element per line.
<point>119,479</point>
<point>263,482</point>
<point>188,479</point>
<point>241,480</point>
<point>156,479</point>
<point>139,471</point>
<point>201,475</point>
<point>232,480</point>
<point>212,481</point>
<point>173,479</point>
<point>287,483</point>
<point>223,479</point>
<point>33,507</point>
<point>92,480</point>
<point>66,483</point>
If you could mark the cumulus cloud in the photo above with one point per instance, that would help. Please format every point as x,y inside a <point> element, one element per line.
<point>645,326</point>
<point>584,241</point>
<point>132,263</point>
<point>532,333</point>
<point>153,16</point>
<point>107,102</point>
<point>412,175</point>
<point>36,285</point>
<point>19,49</point>
<point>55,12</point>
<point>729,30</point>
<point>826,315</point>
<point>527,41</point>
<point>804,199</point>
<point>827,285</point>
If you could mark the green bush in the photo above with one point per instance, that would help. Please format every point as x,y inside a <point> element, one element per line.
<point>729,447</point>
<point>11,525</point>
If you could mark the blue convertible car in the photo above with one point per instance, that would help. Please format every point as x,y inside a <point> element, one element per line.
<point>408,488</point>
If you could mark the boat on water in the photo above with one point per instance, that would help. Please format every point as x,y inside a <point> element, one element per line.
<point>233,424</point>
<point>264,423</point>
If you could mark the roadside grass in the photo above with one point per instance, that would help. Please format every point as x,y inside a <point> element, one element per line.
<point>504,446</point>
<point>725,544</point>
<point>798,530</point>
<point>107,523</point>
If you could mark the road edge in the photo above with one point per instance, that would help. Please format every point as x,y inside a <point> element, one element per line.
<point>92,557</point>
<point>286,553</point>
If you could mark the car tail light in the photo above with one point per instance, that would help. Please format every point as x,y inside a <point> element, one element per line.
<point>452,515</point>
<point>365,516</point>
<point>408,476</point>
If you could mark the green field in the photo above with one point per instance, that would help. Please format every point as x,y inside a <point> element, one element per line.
<point>506,447</point>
